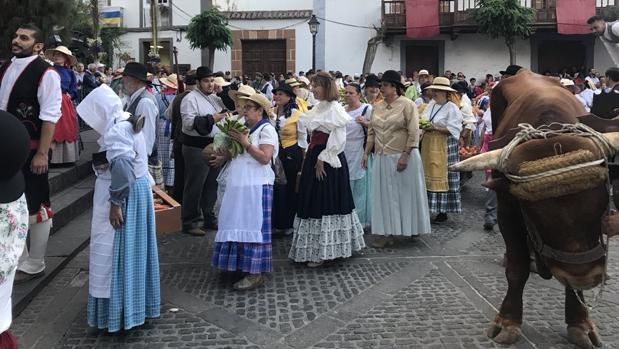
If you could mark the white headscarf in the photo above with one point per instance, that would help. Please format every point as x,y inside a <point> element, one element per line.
<point>101,109</point>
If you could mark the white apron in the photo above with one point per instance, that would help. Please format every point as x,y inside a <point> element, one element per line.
<point>101,239</point>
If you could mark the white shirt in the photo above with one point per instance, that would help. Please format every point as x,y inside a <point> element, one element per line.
<point>487,121</point>
<point>586,98</point>
<point>330,118</point>
<point>466,108</point>
<point>355,137</point>
<point>49,93</point>
<point>150,110</point>
<point>614,27</point>
<point>195,104</point>
<point>446,116</point>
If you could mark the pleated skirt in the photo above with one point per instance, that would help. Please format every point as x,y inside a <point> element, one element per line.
<point>399,199</point>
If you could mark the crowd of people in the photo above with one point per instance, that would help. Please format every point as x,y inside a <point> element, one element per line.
<point>327,158</point>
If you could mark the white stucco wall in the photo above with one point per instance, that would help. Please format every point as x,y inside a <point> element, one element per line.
<point>303,41</point>
<point>345,46</point>
<point>186,55</point>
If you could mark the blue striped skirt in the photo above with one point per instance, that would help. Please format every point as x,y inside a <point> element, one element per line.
<point>134,290</point>
<point>253,258</point>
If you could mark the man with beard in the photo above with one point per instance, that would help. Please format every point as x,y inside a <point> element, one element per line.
<point>200,110</point>
<point>30,90</point>
<point>608,33</point>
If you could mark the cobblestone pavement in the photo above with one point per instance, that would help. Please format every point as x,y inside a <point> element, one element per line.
<point>437,291</point>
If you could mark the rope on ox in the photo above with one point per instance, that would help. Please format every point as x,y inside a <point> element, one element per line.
<point>568,173</point>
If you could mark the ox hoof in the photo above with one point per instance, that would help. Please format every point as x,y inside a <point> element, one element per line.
<point>504,332</point>
<point>585,336</point>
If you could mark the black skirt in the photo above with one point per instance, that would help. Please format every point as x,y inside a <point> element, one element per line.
<point>285,196</point>
<point>331,195</point>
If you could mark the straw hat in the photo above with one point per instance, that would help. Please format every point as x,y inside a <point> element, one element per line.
<point>292,82</point>
<point>243,91</point>
<point>170,81</point>
<point>64,50</point>
<point>304,81</point>
<point>441,84</point>
<point>259,99</point>
<point>219,81</point>
<point>567,82</point>
<point>118,74</point>
<point>423,72</point>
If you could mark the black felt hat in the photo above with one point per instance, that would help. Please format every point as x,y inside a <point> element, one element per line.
<point>511,70</point>
<point>136,70</point>
<point>287,89</point>
<point>15,148</point>
<point>203,72</point>
<point>393,77</point>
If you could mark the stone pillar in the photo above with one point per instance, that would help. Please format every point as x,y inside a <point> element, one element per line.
<point>320,10</point>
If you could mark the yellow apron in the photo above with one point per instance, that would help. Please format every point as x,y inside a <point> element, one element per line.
<point>434,158</point>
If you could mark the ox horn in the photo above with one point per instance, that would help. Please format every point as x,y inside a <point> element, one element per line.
<point>483,161</point>
<point>613,138</point>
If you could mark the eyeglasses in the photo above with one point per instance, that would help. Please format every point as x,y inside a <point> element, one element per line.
<point>249,107</point>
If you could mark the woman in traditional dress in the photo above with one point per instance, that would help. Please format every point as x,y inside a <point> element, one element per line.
<point>327,226</point>
<point>399,201</point>
<point>371,88</point>
<point>124,266</point>
<point>243,240</point>
<point>292,145</point>
<point>356,134</point>
<point>439,149</point>
<point>65,146</point>
<point>164,143</point>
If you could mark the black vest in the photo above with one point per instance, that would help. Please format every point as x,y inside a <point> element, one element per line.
<point>606,104</point>
<point>23,101</point>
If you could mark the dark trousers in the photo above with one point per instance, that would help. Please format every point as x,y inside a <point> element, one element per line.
<point>200,192</point>
<point>179,172</point>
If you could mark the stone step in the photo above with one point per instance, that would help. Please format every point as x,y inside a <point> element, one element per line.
<point>72,202</point>
<point>61,178</point>
<point>65,244</point>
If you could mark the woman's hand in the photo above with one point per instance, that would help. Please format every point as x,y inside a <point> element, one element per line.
<point>364,161</point>
<point>320,170</point>
<point>403,162</point>
<point>219,157</point>
<point>116,216</point>
<point>242,138</point>
<point>362,121</point>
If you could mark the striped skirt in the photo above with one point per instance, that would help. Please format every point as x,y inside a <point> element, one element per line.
<point>134,290</point>
<point>253,258</point>
<point>449,201</point>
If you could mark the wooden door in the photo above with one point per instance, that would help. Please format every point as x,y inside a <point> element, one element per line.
<point>554,55</point>
<point>422,57</point>
<point>264,56</point>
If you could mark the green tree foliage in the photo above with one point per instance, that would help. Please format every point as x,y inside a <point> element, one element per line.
<point>209,30</point>
<point>505,19</point>
<point>44,13</point>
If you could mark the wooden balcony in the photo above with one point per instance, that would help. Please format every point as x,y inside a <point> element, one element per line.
<point>455,15</point>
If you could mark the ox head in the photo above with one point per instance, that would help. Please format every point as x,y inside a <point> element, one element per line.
<point>570,223</point>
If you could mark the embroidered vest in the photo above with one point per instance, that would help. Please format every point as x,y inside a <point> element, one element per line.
<point>288,133</point>
<point>23,101</point>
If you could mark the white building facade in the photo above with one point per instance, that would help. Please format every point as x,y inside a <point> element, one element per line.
<point>273,36</point>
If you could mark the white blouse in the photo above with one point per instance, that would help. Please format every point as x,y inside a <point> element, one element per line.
<point>330,118</point>
<point>355,136</point>
<point>446,116</point>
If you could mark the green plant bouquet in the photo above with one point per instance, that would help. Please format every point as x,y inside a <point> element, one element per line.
<point>224,141</point>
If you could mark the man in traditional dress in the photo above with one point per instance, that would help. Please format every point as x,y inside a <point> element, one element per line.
<point>200,110</point>
<point>30,90</point>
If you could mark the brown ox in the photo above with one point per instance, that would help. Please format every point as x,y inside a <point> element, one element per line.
<point>569,226</point>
